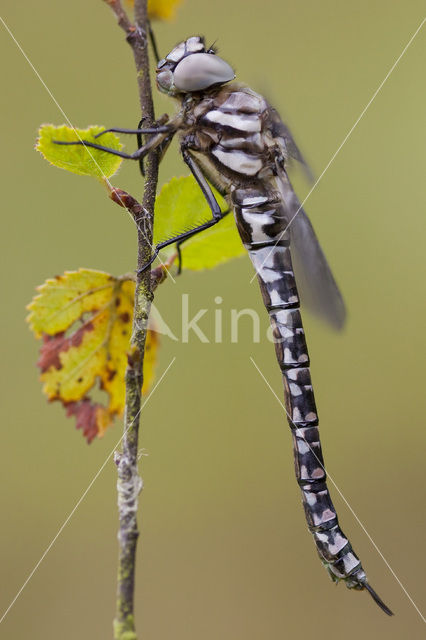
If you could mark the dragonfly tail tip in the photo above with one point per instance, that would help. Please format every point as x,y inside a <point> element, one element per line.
<point>378,600</point>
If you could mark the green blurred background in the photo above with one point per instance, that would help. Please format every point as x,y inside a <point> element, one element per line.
<point>224,551</point>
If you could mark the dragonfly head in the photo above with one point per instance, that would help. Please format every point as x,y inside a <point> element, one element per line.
<point>190,67</point>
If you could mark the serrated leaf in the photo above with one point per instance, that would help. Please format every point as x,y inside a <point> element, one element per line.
<point>76,158</point>
<point>181,205</point>
<point>85,319</point>
<point>93,419</point>
<point>160,9</point>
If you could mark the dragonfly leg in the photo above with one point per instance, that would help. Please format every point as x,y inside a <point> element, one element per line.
<point>217,213</point>
<point>154,142</point>
<point>153,42</point>
<point>180,242</point>
<point>115,152</point>
<point>179,253</point>
<point>203,184</point>
<point>161,128</point>
<point>164,144</point>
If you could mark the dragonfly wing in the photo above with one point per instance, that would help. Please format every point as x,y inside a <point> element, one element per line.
<point>283,135</point>
<point>315,281</point>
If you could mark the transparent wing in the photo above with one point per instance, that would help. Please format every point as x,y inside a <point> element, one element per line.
<point>315,282</point>
<point>283,135</point>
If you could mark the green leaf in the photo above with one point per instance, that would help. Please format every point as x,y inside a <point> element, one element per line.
<point>180,206</point>
<point>76,158</point>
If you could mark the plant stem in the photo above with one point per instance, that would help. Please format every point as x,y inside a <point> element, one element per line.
<point>129,483</point>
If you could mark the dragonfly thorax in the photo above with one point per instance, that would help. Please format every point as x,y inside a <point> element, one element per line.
<point>190,67</point>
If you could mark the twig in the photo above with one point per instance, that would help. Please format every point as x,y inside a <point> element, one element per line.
<point>124,199</point>
<point>122,16</point>
<point>129,483</point>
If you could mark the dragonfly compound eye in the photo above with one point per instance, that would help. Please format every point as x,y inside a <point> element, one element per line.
<point>165,80</point>
<point>199,71</point>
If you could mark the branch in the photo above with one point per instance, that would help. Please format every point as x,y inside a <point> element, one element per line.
<point>124,199</point>
<point>129,483</point>
<point>122,17</point>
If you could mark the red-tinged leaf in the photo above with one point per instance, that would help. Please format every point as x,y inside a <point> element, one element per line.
<point>85,319</point>
<point>54,345</point>
<point>92,419</point>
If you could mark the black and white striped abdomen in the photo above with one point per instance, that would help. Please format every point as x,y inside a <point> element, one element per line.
<point>262,218</point>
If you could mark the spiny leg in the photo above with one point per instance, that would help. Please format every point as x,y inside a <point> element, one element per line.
<point>211,201</point>
<point>180,242</point>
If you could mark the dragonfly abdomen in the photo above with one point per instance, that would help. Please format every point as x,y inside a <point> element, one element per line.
<point>262,220</point>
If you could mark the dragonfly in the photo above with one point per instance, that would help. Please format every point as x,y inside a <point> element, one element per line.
<point>233,139</point>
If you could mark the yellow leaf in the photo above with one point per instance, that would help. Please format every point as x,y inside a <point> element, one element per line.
<point>149,361</point>
<point>85,318</point>
<point>160,9</point>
